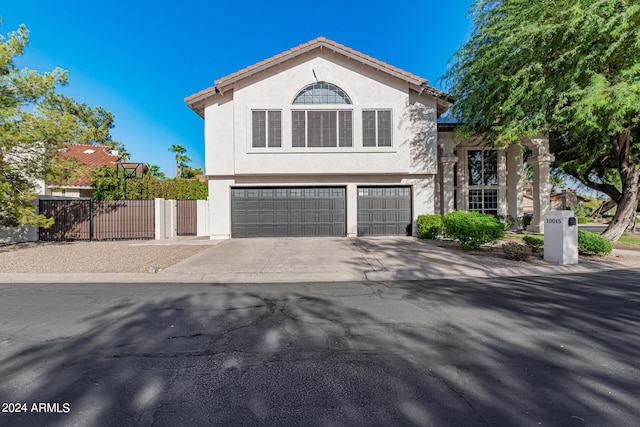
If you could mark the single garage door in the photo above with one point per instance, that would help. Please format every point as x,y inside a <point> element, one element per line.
<point>384,211</point>
<point>291,211</point>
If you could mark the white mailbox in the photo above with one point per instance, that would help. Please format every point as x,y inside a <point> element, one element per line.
<point>561,237</point>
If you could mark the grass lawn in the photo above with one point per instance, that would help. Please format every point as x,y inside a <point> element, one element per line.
<point>518,237</point>
<point>627,241</point>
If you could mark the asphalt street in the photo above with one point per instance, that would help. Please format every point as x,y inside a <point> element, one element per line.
<point>514,351</point>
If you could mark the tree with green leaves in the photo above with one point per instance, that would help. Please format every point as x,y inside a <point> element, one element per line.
<point>189,172</point>
<point>107,185</point>
<point>179,150</point>
<point>154,170</point>
<point>35,120</point>
<point>184,160</point>
<point>569,68</point>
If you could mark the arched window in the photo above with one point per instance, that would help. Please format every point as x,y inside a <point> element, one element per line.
<point>321,93</point>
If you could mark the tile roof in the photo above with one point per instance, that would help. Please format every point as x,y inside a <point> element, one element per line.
<point>320,41</point>
<point>91,156</point>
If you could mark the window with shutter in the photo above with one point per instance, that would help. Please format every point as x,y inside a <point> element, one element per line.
<point>266,128</point>
<point>376,128</point>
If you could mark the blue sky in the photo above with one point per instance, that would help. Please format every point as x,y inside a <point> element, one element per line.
<point>140,59</point>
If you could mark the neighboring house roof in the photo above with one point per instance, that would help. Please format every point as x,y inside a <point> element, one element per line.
<point>91,157</point>
<point>320,42</point>
<point>553,197</point>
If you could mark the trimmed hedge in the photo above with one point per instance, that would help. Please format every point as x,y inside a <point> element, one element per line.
<point>429,226</point>
<point>593,244</point>
<point>472,229</point>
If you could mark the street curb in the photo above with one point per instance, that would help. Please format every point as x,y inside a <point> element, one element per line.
<point>368,276</point>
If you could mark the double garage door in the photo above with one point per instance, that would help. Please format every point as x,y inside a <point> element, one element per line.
<point>317,211</point>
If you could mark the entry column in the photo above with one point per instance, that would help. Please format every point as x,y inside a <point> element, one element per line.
<point>448,186</point>
<point>540,162</point>
<point>352,210</point>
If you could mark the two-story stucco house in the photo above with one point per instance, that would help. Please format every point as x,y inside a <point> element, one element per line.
<point>322,140</point>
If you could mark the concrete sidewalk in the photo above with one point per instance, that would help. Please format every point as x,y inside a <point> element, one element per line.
<point>286,260</point>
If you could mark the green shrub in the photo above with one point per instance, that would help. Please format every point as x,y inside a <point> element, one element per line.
<point>429,226</point>
<point>583,220</point>
<point>581,210</point>
<point>534,242</point>
<point>516,251</point>
<point>472,229</point>
<point>508,221</point>
<point>593,244</point>
<point>526,220</point>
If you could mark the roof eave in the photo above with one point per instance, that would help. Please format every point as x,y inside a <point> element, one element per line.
<point>196,101</point>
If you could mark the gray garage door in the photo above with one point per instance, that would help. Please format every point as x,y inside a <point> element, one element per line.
<point>384,211</point>
<point>292,211</point>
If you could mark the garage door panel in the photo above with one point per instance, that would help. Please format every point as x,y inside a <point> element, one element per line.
<point>281,218</point>
<point>267,205</point>
<point>279,212</point>
<point>324,204</point>
<point>384,210</point>
<point>268,218</point>
<point>253,218</point>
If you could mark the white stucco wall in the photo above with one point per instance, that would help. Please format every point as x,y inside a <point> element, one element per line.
<point>232,161</point>
<point>228,122</point>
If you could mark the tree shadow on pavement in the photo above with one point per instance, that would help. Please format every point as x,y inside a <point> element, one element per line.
<point>516,351</point>
<point>542,350</point>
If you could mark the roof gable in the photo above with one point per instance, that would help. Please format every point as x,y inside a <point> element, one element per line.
<point>221,84</point>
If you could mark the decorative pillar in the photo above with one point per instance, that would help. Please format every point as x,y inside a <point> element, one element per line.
<point>514,181</point>
<point>352,210</point>
<point>540,162</point>
<point>447,189</point>
<point>463,181</point>
<point>502,182</point>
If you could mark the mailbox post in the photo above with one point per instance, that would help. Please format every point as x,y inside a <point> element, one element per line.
<point>561,237</point>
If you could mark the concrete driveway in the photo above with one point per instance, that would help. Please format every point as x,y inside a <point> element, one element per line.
<point>316,259</point>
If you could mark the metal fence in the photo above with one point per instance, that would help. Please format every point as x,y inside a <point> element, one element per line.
<point>88,219</point>
<point>187,217</point>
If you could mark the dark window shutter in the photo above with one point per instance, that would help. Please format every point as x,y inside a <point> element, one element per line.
<point>259,129</point>
<point>384,128</point>
<point>275,129</point>
<point>298,128</point>
<point>369,128</point>
<point>314,129</point>
<point>345,128</point>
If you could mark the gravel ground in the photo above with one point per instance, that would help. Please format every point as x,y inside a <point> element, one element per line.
<point>91,257</point>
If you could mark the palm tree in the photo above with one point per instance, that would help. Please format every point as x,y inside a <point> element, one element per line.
<point>179,150</point>
<point>184,159</point>
<point>154,170</point>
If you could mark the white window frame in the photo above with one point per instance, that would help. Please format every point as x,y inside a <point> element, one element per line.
<point>268,142</point>
<point>485,187</point>
<point>377,127</point>
<point>306,126</point>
